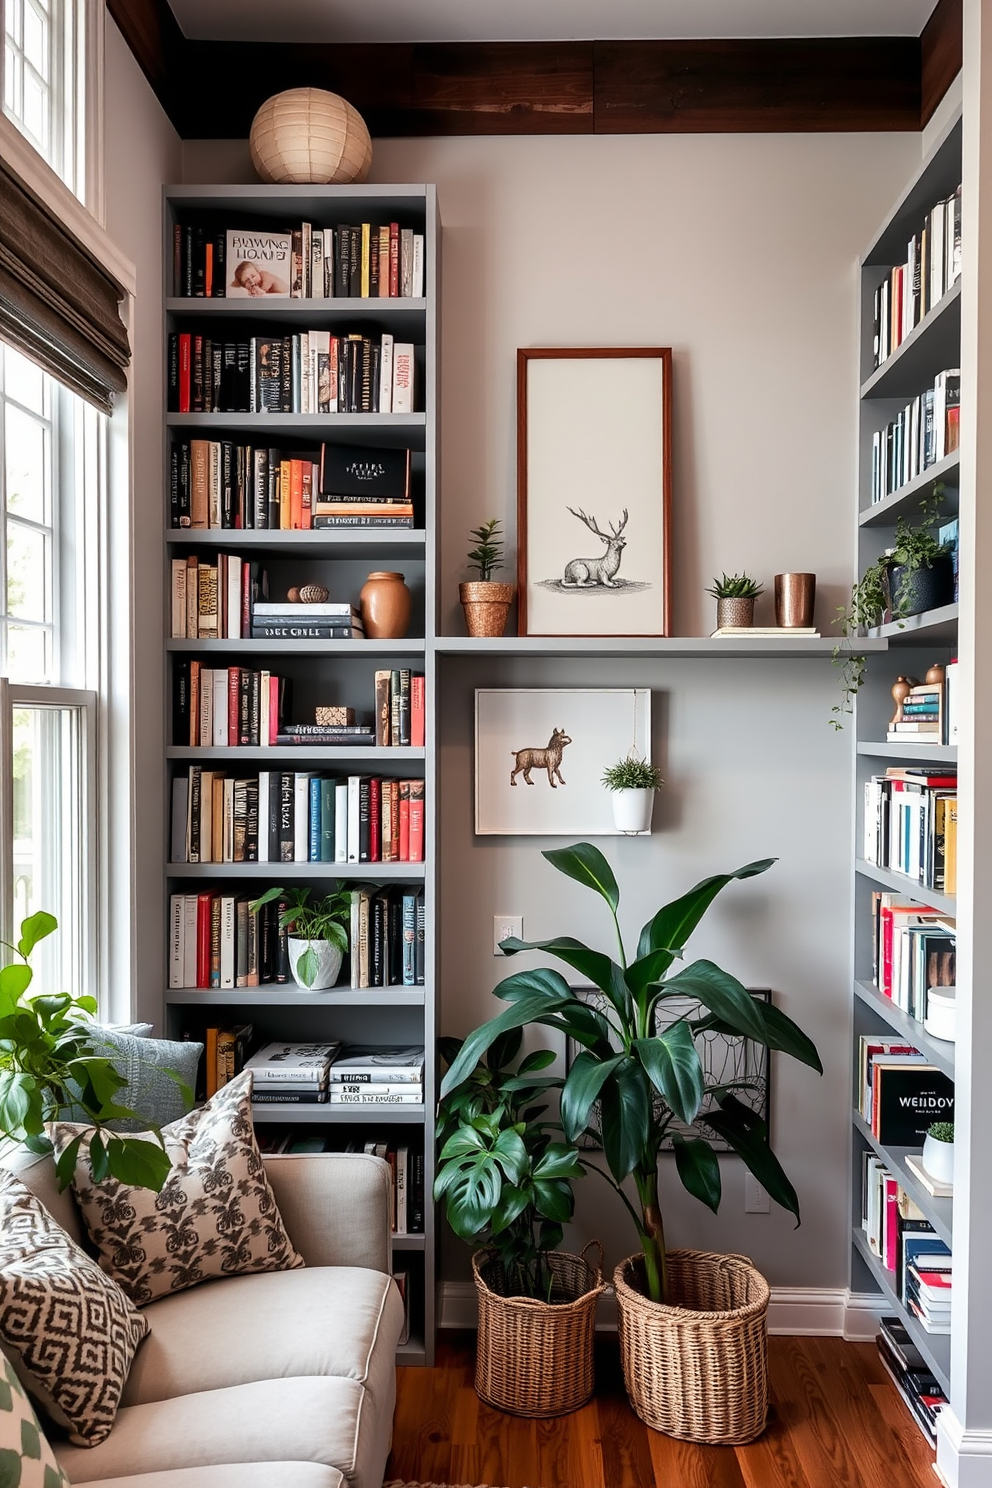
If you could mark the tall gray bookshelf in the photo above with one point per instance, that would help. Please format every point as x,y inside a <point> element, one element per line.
<point>933,346</point>
<point>337,671</point>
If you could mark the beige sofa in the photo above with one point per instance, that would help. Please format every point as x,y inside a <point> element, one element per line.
<point>281,1380</point>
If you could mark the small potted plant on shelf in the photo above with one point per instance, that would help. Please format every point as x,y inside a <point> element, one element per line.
<point>632,783</point>
<point>692,1324</point>
<point>938,1151</point>
<point>316,937</point>
<point>505,1175</point>
<point>915,575</point>
<point>735,595</point>
<point>486,603</point>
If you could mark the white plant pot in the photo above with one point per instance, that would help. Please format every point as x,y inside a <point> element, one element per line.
<point>328,962</point>
<point>938,1159</point>
<point>632,810</point>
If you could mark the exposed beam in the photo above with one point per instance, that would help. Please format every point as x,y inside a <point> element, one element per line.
<point>159,48</point>
<point>941,48</point>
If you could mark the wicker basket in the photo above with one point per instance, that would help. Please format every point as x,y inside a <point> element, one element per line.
<point>535,1358</point>
<point>696,1367</point>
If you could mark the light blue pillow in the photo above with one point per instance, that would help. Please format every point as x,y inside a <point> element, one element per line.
<point>148,1066</point>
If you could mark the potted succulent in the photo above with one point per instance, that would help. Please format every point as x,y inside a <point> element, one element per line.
<point>915,575</point>
<point>316,937</point>
<point>628,1083</point>
<point>485,602</point>
<point>505,1175</point>
<point>938,1151</point>
<point>49,1064</point>
<point>735,595</point>
<point>632,783</point>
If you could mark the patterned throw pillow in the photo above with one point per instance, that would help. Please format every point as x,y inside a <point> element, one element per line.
<point>149,1067</point>
<point>215,1216</point>
<point>26,1459</point>
<point>70,1331</point>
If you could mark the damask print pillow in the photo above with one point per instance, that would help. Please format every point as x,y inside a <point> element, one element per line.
<point>69,1330</point>
<point>215,1216</point>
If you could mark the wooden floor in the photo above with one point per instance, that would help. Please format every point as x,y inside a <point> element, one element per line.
<point>836,1422</point>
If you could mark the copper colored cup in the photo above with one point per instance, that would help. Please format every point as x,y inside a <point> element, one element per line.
<point>795,594</point>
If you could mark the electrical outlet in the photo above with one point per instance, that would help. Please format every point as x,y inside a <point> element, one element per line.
<point>756,1200</point>
<point>503,927</point>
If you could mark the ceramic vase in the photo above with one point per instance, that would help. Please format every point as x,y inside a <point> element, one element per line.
<point>938,1159</point>
<point>329,959</point>
<point>385,602</point>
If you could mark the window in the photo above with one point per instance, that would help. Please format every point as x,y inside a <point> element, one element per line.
<point>43,84</point>
<point>51,457</point>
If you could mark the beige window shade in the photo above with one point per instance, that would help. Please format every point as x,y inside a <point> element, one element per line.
<point>57,303</point>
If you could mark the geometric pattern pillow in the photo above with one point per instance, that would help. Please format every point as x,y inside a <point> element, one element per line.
<point>26,1459</point>
<point>69,1330</point>
<point>215,1216</point>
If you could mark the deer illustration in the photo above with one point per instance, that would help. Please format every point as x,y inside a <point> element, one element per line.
<point>541,759</point>
<point>587,573</point>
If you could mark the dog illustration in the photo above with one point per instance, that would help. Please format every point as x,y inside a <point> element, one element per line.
<point>548,759</point>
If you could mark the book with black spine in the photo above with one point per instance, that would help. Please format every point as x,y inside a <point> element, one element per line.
<point>287,816</point>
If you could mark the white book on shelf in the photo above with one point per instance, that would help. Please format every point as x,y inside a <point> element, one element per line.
<point>354,800</point>
<point>403,377</point>
<point>234,580</point>
<point>190,910</point>
<point>228,940</point>
<point>264,780</point>
<point>402,1188</point>
<point>341,821</point>
<point>206,720</point>
<point>386,374</point>
<point>417,273</point>
<point>220,732</point>
<point>177,932</point>
<point>301,816</point>
<point>936,246</point>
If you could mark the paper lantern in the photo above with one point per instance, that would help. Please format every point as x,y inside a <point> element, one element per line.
<point>312,136</point>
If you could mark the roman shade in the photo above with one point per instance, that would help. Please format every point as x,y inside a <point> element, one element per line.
<point>57,303</point>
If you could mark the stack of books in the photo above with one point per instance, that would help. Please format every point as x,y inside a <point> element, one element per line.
<point>901,1094</point>
<point>374,1076</point>
<point>361,487</point>
<point>284,620</point>
<point>927,1286</point>
<point>910,1375</point>
<point>922,720</point>
<point>292,1074</point>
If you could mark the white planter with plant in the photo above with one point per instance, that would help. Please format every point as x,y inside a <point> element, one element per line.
<point>632,784</point>
<point>938,1151</point>
<point>315,933</point>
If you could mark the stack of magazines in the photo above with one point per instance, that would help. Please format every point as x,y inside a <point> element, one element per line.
<point>292,1074</point>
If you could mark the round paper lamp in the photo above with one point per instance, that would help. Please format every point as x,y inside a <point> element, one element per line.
<point>312,136</point>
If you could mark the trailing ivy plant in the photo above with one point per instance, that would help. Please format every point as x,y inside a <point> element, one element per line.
<point>49,1062</point>
<point>626,1062</point>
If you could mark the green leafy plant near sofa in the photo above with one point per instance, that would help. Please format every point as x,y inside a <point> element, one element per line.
<point>48,1063</point>
<point>626,1062</point>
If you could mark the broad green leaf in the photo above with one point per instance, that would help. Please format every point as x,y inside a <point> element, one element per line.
<point>143,1164</point>
<point>99,1162</point>
<point>781,1033</point>
<point>554,1199</point>
<point>307,966</point>
<point>35,928</point>
<point>65,1165</point>
<point>558,1161</point>
<point>674,923</point>
<point>512,1203</point>
<point>625,1108</point>
<point>674,1068</point>
<point>505,1049</point>
<point>539,1060</point>
<point>587,866</point>
<point>747,1134</point>
<point>648,969</point>
<point>14,982</point>
<point>595,966</point>
<point>583,1084</point>
<point>529,1009</point>
<point>698,1169</point>
<point>542,981</point>
<point>19,1096</point>
<point>722,993</point>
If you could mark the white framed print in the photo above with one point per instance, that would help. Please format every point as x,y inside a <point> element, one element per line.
<point>540,754</point>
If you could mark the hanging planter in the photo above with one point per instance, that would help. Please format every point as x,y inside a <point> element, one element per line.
<point>632,783</point>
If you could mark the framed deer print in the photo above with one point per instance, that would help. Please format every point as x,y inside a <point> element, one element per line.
<point>594,488</point>
<point>540,754</point>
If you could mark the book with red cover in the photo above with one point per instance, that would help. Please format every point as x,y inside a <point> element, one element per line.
<point>403,853</point>
<point>418,710</point>
<point>233,704</point>
<point>416,843</point>
<point>375,819</point>
<point>203,923</point>
<point>185,371</point>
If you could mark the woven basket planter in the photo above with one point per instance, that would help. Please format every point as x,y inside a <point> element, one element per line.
<point>486,606</point>
<point>697,1366</point>
<point>535,1358</point>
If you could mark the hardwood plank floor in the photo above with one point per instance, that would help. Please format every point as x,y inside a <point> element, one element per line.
<point>836,1422</point>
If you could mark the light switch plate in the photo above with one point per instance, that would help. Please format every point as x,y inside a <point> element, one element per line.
<point>503,927</point>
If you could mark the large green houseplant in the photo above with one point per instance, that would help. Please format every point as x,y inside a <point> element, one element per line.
<point>48,1063</point>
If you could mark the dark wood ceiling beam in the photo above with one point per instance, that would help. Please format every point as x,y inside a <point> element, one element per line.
<point>941,51</point>
<point>159,48</point>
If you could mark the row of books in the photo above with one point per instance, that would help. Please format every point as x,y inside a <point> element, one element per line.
<point>295,816</point>
<point>925,431</point>
<point>905,1241</point>
<point>928,713</point>
<point>914,950</point>
<point>910,825</point>
<point>304,372</point>
<point>911,289</point>
<point>217,601</point>
<point>911,1375</point>
<point>900,1094</point>
<point>220,483</point>
<point>363,260</point>
<point>324,1074</point>
<point>216,943</point>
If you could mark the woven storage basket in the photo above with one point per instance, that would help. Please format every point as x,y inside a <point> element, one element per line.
<point>696,1367</point>
<point>535,1358</point>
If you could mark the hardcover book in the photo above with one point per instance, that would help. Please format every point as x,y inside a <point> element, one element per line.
<point>350,471</point>
<point>258,264</point>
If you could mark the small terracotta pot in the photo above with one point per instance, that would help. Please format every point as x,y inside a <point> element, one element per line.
<point>486,607</point>
<point>385,602</point>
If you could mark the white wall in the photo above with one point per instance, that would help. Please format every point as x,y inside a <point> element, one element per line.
<point>143,151</point>
<point>740,253</point>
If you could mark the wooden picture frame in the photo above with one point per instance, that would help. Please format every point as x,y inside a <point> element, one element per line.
<point>594,466</point>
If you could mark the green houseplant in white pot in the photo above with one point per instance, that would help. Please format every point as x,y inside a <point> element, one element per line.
<point>938,1151</point>
<point>316,937</point>
<point>632,784</point>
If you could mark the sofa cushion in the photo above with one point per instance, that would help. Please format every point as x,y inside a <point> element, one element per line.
<point>323,1421</point>
<point>215,1215</point>
<point>233,1475</point>
<point>148,1066</point>
<point>70,1331</point>
<point>325,1320</point>
<point>26,1459</point>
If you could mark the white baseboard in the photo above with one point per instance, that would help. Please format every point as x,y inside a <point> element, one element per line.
<point>964,1458</point>
<point>811,1311</point>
